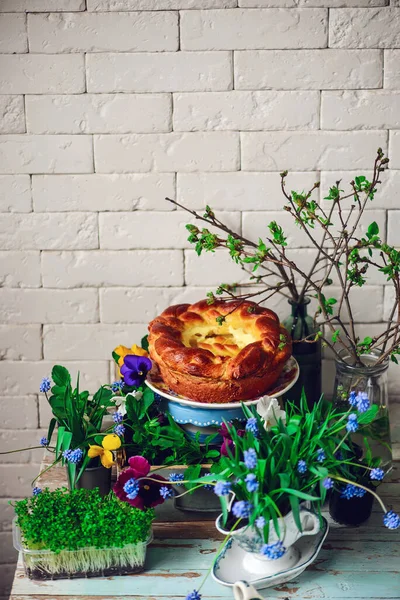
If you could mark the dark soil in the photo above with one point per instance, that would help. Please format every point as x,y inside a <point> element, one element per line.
<point>39,574</point>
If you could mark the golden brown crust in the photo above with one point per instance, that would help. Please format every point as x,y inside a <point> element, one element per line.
<point>204,361</point>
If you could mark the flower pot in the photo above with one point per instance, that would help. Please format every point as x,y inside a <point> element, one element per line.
<point>94,477</point>
<point>84,562</point>
<point>250,540</point>
<point>372,379</point>
<point>351,512</point>
<point>308,355</point>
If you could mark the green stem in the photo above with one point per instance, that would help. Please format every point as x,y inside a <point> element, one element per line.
<point>363,488</point>
<point>31,448</point>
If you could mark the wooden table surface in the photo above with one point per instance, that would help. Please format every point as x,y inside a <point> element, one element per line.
<point>362,563</point>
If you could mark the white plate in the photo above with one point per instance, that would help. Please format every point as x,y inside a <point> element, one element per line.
<point>286,380</point>
<point>229,568</point>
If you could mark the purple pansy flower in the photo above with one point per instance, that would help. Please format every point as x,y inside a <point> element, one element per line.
<point>135,369</point>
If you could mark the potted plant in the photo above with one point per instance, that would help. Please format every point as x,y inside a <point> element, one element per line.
<point>63,534</point>
<point>344,256</point>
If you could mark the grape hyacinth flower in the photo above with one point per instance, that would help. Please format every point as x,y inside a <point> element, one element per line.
<point>118,417</point>
<point>352,423</point>
<point>45,385</point>
<point>208,486</point>
<point>353,399</point>
<point>166,492</point>
<point>117,386</point>
<point>251,482</point>
<point>273,551</point>
<point>352,491</point>
<point>377,474</point>
<point>260,522</point>
<point>250,458</point>
<point>73,456</point>
<point>222,488</point>
<point>391,520</point>
<point>363,402</point>
<point>252,426</point>
<point>242,509</point>
<point>131,488</point>
<point>176,478</point>
<point>44,441</point>
<point>36,491</point>
<point>193,595</point>
<point>119,430</point>
<point>302,467</point>
<point>327,483</point>
<point>321,456</point>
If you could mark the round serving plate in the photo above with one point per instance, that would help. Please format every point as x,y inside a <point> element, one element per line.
<point>194,415</point>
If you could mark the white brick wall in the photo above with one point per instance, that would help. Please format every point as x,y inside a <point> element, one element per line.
<point>108,106</point>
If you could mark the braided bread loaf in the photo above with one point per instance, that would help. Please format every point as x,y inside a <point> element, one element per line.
<point>204,361</point>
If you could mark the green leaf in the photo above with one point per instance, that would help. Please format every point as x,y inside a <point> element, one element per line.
<point>297,493</point>
<point>60,434</point>
<point>373,229</point>
<point>50,430</point>
<point>294,503</point>
<point>60,376</point>
<point>144,342</point>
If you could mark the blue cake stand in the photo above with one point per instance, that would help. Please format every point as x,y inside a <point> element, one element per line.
<point>205,418</point>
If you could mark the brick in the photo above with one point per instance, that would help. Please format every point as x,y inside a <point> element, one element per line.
<point>7,513</point>
<point>48,306</point>
<point>394,149</point>
<point>360,110</point>
<point>12,114</point>
<point>50,231</point>
<point>391,71</point>
<point>250,111</point>
<point>105,268</point>
<point>64,193</point>
<point>46,154</point>
<point>131,305</point>
<point>393,220</point>
<point>238,29</point>
<point>16,482</point>
<point>42,74</point>
<point>238,191</point>
<point>211,151</point>
<point>99,113</point>
<point>41,5</point>
<point>26,409</point>
<point>366,304</point>
<point>157,4</point>
<point>155,72</point>
<point>311,3</point>
<point>20,343</point>
<point>311,150</point>
<point>308,69</point>
<point>20,269</point>
<point>129,231</point>
<point>13,440</point>
<point>13,36</point>
<point>388,192</point>
<point>15,193</point>
<point>365,28</point>
<point>103,32</point>
<point>211,269</point>
<point>75,342</point>
<point>93,374</point>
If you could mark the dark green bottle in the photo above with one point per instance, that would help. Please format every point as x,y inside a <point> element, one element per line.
<point>300,325</point>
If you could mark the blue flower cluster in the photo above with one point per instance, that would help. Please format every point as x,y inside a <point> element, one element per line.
<point>45,385</point>
<point>251,482</point>
<point>377,474</point>
<point>391,520</point>
<point>359,401</point>
<point>166,492</point>
<point>273,551</point>
<point>352,491</point>
<point>327,483</point>
<point>193,595</point>
<point>321,456</point>
<point>118,417</point>
<point>131,488</point>
<point>222,488</point>
<point>119,430</point>
<point>252,426</point>
<point>242,509</point>
<point>44,441</point>
<point>36,491</point>
<point>352,423</point>
<point>250,458</point>
<point>73,456</point>
<point>117,386</point>
<point>176,478</point>
<point>260,522</point>
<point>302,467</point>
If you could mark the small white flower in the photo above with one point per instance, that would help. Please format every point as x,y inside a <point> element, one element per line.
<point>269,410</point>
<point>120,401</point>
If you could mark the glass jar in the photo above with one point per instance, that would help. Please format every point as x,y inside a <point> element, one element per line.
<point>371,378</point>
<point>308,354</point>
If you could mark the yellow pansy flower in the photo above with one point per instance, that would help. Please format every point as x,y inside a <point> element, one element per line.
<point>110,442</point>
<point>123,351</point>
